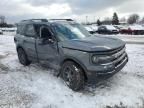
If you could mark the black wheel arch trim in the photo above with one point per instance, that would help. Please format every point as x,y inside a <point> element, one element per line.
<point>75,60</point>
<point>19,46</point>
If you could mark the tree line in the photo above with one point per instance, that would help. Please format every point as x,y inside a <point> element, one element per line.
<point>132,19</point>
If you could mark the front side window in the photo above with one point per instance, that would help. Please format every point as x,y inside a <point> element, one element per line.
<point>45,32</point>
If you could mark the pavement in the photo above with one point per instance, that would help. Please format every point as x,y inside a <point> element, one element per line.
<point>130,39</point>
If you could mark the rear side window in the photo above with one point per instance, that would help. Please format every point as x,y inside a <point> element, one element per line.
<point>30,31</point>
<point>20,29</point>
<point>102,28</point>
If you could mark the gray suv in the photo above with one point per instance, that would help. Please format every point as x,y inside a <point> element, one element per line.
<point>67,46</point>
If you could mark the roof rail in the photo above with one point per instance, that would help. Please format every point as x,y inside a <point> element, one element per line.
<point>62,19</point>
<point>35,20</point>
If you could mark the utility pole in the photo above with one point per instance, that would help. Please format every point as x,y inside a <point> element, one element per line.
<point>94,19</point>
<point>86,19</point>
<point>2,19</point>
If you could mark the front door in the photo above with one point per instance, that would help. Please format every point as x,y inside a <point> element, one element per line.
<point>47,49</point>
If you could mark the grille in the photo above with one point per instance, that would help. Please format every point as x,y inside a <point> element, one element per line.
<point>117,57</point>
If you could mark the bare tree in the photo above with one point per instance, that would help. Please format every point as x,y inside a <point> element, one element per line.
<point>133,19</point>
<point>142,21</point>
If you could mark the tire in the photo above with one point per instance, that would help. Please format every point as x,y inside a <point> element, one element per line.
<point>73,75</point>
<point>23,57</point>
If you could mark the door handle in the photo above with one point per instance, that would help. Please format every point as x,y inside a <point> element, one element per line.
<point>41,43</point>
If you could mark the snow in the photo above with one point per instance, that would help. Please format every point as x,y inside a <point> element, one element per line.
<point>110,27</point>
<point>88,28</point>
<point>35,86</point>
<point>5,28</point>
<point>91,27</point>
<point>136,27</point>
<point>132,27</point>
<point>94,27</point>
<point>8,31</point>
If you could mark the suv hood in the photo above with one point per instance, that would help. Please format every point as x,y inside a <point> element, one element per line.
<point>94,43</point>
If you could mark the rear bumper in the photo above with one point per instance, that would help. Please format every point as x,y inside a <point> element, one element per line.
<point>96,76</point>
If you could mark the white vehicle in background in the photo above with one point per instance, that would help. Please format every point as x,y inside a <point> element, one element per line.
<point>89,29</point>
<point>95,28</point>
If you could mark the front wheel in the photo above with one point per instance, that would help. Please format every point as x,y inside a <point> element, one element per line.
<point>73,75</point>
<point>23,57</point>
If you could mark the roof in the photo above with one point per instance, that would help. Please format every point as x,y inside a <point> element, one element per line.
<point>46,21</point>
<point>110,27</point>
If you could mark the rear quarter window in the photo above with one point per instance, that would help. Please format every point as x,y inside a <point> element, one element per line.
<point>30,31</point>
<point>20,29</point>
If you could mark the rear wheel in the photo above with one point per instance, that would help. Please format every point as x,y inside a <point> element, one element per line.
<point>23,57</point>
<point>73,75</point>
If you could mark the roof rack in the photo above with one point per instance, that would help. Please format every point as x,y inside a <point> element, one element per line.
<point>62,19</point>
<point>35,20</point>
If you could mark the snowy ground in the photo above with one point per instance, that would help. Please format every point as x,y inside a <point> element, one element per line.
<point>36,87</point>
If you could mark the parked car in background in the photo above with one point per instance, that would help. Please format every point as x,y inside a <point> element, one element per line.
<point>107,29</point>
<point>89,29</point>
<point>1,32</point>
<point>136,29</point>
<point>132,30</point>
<point>125,30</point>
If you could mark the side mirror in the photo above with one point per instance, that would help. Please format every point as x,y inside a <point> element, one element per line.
<point>50,41</point>
<point>47,41</point>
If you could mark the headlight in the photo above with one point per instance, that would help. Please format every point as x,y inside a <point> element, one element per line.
<point>100,59</point>
<point>95,59</point>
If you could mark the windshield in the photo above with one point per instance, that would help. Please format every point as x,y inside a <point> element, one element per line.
<point>70,31</point>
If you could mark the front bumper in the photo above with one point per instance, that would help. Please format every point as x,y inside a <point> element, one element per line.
<point>106,71</point>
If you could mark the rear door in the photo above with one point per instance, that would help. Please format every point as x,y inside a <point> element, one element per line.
<point>29,42</point>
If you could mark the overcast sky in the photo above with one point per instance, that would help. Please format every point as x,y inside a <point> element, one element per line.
<point>16,10</point>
